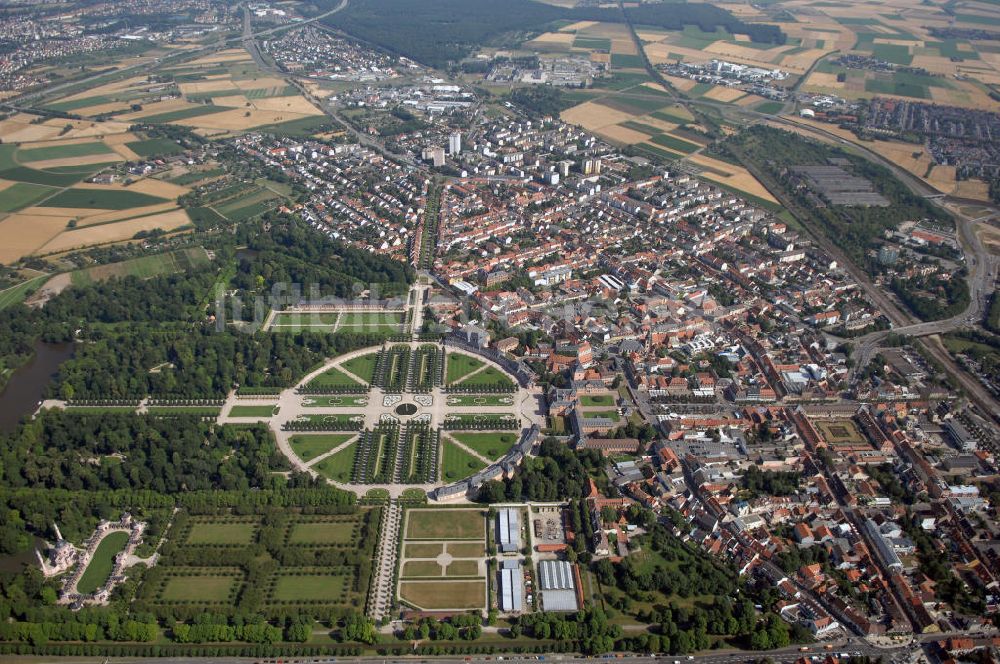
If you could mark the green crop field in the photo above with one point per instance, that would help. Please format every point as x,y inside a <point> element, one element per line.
<point>337,467</point>
<point>219,532</point>
<point>154,147</point>
<point>310,587</point>
<point>253,411</point>
<point>446,524</point>
<point>18,293</point>
<point>21,195</point>
<point>102,199</point>
<point>490,445</point>
<point>673,143</point>
<point>459,366</point>
<point>51,177</point>
<point>308,447</point>
<point>182,114</point>
<point>101,564</point>
<point>199,587</point>
<point>63,151</point>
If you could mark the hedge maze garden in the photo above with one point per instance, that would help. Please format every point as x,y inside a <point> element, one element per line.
<point>270,562</point>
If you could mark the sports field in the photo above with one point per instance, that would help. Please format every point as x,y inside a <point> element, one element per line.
<point>445,524</point>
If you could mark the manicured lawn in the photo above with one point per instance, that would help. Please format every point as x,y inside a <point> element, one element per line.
<point>332,378</point>
<point>253,411</point>
<point>466,549</point>
<point>480,400</point>
<point>102,199</point>
<point>345,417</point>
<point>468,419</point>
<point>322,402</point>
<point>154,147</point>
<point>609,414</point>
<point>423,550</point>
<point>63,151</point>
<point>203,411</point>
<point>420,568</point>
<point>490,445</point>
<point>212,532</point>
<point>337,467</point>
<point>450,524</point>
<point>488,376</point>
<point>362,366</point>
<point>308,447</point>
<point>462,568</point>
<point>103,561</point>
<point>444,594</point>
<point>304,318</point>
<point>199,588</point>
<point>21,195</point>
<point>457,463</point>
<point>597,400</point>
<point>324,532</point>
<point>459,366</point>
<point>370,318</point>
<point>310,587</point>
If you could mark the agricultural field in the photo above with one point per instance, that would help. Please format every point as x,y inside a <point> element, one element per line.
<point>454,560</point>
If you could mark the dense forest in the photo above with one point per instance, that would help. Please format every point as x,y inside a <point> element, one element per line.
<point>436,32</point>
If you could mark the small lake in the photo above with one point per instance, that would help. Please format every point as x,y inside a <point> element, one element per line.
<point>27,385</point>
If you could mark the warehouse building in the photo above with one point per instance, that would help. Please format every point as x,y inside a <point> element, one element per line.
<point>508,530</point>
<point>511,585</point>
<point>557,586</point>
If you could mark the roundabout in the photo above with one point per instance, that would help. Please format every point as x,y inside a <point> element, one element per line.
<point>404,416</point>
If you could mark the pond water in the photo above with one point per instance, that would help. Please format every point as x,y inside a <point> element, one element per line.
<point>26,386</point>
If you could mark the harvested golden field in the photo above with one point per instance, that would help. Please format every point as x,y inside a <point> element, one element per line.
<point>623,47</point>
<point>735,177</point>
<point>4,184</point>
<point>579,25</point>
<point>723,94</point>
<point>117,143</point>
<point>89,218</point>
<point>19,130</point>
<point>230,55</point>
<point>624,135</point>
<point>263,82</point>
<point>213,85</point>
<point>77,161</point>
<point>116,232</point>
<point>297,104</point>
<point>87,128</point>
<point>590,115</point>
<point>24,234</point>
<point>156,108</point>
<point>239,119</point>
<point>232,101</point>
<point>565,38</point>
<point>155,187</point>
<point>974,189</point>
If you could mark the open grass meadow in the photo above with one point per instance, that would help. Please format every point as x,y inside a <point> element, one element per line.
<point>99,569</point>
<point>179,260</point>
<point>445,524</point>
<point>308,447</point>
